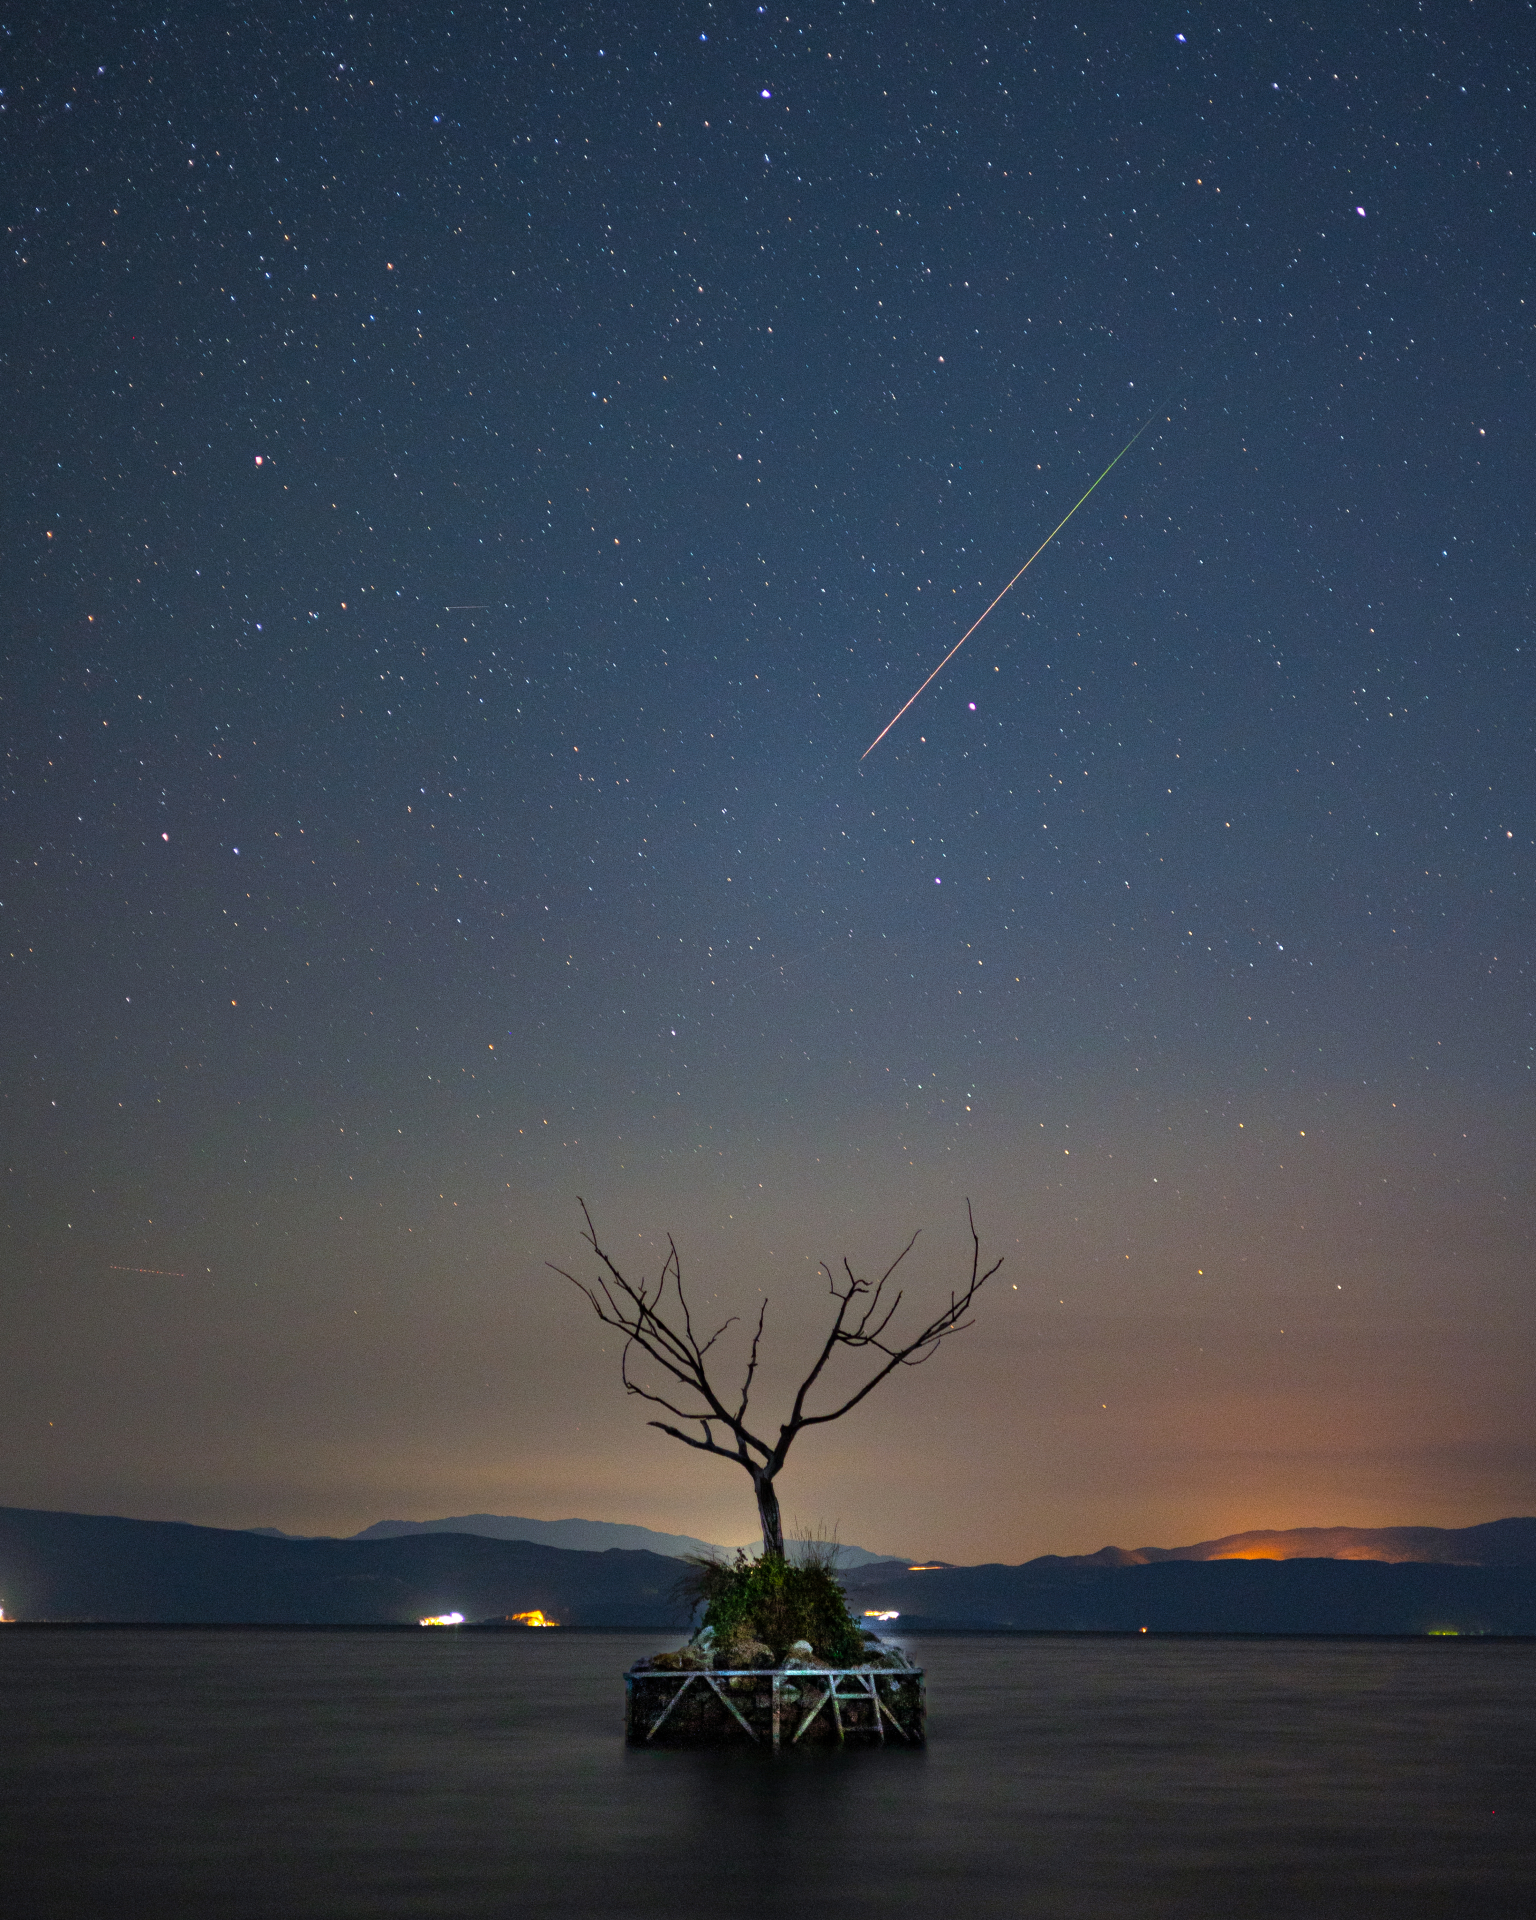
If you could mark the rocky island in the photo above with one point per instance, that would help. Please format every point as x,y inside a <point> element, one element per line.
<point>777,1660</point>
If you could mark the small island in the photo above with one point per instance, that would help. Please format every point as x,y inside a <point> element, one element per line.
<point>778,1660</point>
<point>778,1655</point>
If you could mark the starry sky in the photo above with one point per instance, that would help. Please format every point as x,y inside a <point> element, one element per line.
<point>477,481</point>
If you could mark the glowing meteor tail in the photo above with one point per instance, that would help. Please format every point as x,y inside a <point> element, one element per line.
<point>1011,584</point>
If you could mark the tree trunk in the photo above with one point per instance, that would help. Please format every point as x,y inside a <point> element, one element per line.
<point>768,1514</point>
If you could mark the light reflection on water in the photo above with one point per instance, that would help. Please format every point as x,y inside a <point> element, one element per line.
<point>335,1774</point>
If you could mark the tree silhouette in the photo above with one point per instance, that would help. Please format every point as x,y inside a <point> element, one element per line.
<point>662,1331</point>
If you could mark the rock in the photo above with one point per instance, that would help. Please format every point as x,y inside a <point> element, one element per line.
<point>683,1660</point>
<point>748,1651</point>
<point>801,1659</point>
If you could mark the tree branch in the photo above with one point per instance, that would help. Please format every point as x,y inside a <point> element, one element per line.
<point>862,1320</point>
<point>636,1311</point>
<point>922,1347</point>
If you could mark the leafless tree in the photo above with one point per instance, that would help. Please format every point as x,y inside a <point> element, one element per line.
<point>662,1331</point>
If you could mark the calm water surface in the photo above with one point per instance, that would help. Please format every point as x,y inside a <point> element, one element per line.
<point>337,1774</point>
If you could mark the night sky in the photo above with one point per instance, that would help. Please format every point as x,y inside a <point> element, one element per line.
<point>475,484</point>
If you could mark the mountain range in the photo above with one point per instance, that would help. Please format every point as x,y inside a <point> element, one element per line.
<point>100,1568</point>
<point>91,1567</point>
<point>1497,1543</point>
<point>581,1536</point>
<point>1303,1580</point>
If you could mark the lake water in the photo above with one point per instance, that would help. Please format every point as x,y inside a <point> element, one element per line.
<point>233,1774</point>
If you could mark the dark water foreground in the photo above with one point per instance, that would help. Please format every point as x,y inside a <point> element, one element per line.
<point>331,1773</point>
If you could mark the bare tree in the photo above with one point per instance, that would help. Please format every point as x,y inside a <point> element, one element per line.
<point>663,1333</point>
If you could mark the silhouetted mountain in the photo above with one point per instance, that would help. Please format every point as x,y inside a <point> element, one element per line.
<point>1497,1543</point>
<point>1212,1596</point>
<point>71,1566</point>
<point>847,1557</point>
<point>582,1536</point>
<point>577,1536</point>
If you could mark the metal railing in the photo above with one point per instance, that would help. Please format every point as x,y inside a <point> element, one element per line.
<point>782,1705</point>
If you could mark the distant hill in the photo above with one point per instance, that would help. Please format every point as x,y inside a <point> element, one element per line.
<point>1219,1595</point>
<point>1498,1543</point>
<point>1305,1580</point>
<point>581,1536</point>
<point>89,1567</point>
<point>576,1536</point>
<point>72,1566</point>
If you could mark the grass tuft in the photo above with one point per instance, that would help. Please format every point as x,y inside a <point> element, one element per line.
<point>764,1605</point>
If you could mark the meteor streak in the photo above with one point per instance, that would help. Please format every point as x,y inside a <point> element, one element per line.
<point>1011,584</point>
